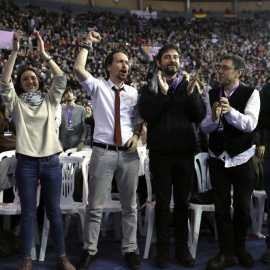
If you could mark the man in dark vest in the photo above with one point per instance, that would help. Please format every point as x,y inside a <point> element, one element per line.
<point>232,115</point>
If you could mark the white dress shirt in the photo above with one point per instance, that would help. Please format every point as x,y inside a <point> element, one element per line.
<point>246,122</point>
<point>103,99</point>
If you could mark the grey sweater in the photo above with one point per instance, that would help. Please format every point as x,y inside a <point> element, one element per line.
<point>35,125</point>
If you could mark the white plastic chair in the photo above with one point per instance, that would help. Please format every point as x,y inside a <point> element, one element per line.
<point>142,152</point>
<point>14,208</point>
<point>257,203</point>
<point>67,204</point>
<point>73,150</point>
<point>149,211</point>
<point>82,154</point>
<point>203,179</point>
<point>112,206</point>
<point>7,154</point>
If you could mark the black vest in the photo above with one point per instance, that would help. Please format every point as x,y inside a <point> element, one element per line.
<point>231,140</point>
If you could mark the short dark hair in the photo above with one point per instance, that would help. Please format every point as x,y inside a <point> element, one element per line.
<point>238,62</point>
<point>267,79</point>
<point>79,99</point>
<point>109,60</point>
<point>68,89</point>
<point>18,88</point>
<point>166,48</point>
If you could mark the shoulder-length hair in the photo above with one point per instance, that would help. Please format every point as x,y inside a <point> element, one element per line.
<point>18,87</point>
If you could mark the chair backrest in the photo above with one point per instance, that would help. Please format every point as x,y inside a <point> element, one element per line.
<point>202,171</point>
<point>148,180</point>
<point>82,154</point>
<point>7,154</point>
<point>16,194</point>
<point>69,166</point>
<point>70,151</point>
<point>74,150</point>
<point>142,152</point>
<point>63,154</point>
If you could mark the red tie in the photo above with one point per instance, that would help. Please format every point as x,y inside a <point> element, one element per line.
<point>117,138</point>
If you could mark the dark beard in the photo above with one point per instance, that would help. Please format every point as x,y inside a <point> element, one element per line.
<point>170,72</point>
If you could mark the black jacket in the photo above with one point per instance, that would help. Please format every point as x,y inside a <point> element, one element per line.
<point>169,119</point>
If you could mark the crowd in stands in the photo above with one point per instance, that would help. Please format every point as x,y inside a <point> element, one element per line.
<point>202,42</point>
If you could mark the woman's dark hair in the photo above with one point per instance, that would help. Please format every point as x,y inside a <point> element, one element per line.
<point>18,88</point>
<point>109,60</point>
<point>2,105</point>
<point>88,106</point>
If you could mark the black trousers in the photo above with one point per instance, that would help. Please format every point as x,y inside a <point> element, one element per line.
<point>177,171</point>
<point>232,231</point>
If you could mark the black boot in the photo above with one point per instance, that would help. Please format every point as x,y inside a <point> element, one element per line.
<point>243,256</point>
<point>266,256</point>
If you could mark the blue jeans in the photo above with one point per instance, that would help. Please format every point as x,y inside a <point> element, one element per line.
<point>48,170</point>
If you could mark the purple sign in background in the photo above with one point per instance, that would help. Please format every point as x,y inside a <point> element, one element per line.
<point>6,40</point>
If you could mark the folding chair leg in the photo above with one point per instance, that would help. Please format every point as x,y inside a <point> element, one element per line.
<point>36,236</point>
<point>197,216</point>
<point>44,239</point>
<point>150,227</point>
<point>117,226</point>
<point>260,207</point>
<point>139,217</point>
<point>33,250</point>
<point>67,223</point>
<point>253,215</point>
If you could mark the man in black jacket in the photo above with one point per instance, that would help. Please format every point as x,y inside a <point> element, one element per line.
<point>169,106</point>
<point>232,115</point>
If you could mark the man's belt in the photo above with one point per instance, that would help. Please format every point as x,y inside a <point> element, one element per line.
<point>110,147</point>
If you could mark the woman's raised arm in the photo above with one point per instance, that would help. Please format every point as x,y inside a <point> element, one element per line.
<point>6,75</point>
<point>41,50</point>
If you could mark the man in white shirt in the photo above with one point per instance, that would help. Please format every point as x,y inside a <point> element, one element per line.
<point>117,130</point>
<point>232,115</point>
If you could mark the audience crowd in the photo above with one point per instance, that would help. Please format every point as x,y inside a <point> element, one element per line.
<point>201,41</point>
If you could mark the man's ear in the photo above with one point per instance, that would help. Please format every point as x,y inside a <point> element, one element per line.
<point>108,68</point>
<point>158,63</point>
<point>240,72</point>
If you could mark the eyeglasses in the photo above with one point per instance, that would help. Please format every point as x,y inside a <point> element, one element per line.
<point>225,68</point>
